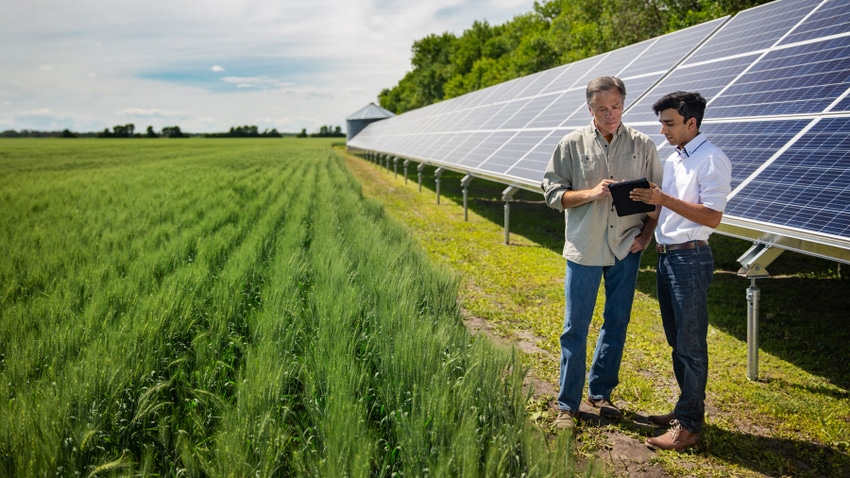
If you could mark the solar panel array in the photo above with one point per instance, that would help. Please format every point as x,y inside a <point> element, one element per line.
<point>777,78</point>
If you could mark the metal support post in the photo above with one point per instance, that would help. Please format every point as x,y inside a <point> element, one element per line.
<point>753,295</point>
<point>754,264</point>
<point>437,174</point>
<point>405,164</point>
<point>395,167</point>
<point>419,169</point>
<point>507,195</point>
<point>465,184</point>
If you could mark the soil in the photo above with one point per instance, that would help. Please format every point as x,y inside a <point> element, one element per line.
<point>623,455</point>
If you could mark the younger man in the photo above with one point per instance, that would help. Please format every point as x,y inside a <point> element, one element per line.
<point>696,183</point>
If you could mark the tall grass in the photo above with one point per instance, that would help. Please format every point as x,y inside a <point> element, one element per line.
<point>234,308</point>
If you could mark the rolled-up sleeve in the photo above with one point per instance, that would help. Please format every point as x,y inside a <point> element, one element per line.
<point>714,183</point>
<point>557,178</point>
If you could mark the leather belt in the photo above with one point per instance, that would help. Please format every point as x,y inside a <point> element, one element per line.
<point>665,248</point>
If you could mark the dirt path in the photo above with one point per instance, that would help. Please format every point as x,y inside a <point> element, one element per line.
<point>622,455</point>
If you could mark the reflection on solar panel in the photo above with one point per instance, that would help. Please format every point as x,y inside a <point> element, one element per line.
<point>777,78</point>
<point>807,187</point>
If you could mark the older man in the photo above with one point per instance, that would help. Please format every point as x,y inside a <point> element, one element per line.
<point>598,242</point>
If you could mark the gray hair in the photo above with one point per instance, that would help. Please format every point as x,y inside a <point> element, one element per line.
<point>605,83</point>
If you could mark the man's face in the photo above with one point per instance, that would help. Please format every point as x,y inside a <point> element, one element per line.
<point>674,127</point>
<point>607,110</point>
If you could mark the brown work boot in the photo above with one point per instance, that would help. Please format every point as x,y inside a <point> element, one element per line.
<point>662,420</point>
<point>606,408</point>
<point>566,419</point>
<point>676,438</point>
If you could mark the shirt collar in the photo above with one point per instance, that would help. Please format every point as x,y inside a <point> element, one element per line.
<point>692,146</point>
<point>598,133</point>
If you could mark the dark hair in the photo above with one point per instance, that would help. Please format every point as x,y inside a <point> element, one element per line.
<point>689,105</point>
<point>605,83</point>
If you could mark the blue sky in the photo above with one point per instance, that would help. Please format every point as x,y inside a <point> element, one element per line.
<point>208,65</point>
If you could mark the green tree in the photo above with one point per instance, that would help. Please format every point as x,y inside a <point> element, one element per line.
<point>172,132</point>
<point>555,32</point>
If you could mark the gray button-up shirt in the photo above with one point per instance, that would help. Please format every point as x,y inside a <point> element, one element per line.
<point>594,234</point>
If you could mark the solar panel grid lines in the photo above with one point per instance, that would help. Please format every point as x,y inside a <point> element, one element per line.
<point>755,29</point>
<point>539,81</point>
<point>808,184</point>
<point>447,144</point>
<point>800,79</point>
<point>671,48</point>
<point>613,63</point>
<point>528,162</point>
<point>530,111</point>
<point>708,78</point>
<point>826,19</point>
<point>513,150</point>
<point>503,116</point>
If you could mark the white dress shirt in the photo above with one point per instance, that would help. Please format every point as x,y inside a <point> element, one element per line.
<point>699,173</point>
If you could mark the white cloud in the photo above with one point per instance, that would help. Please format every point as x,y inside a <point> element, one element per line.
<point>289,64</point>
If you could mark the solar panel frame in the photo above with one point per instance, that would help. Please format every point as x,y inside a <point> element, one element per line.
<point>825,20</point>
<point>800,79</point>
<point>755,29</point>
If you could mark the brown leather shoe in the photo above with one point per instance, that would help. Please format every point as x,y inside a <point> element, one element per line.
<point>566,419</point>
<point>676,438</point>
<point>606,408</point>
<point>662,420</point>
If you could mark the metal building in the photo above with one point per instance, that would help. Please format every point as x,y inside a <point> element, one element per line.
<point>368,114</point>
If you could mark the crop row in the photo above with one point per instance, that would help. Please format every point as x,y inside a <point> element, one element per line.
<point>235,310</point>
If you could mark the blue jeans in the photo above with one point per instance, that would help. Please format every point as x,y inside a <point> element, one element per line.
<point>581,287</point>
<point>682,278</point>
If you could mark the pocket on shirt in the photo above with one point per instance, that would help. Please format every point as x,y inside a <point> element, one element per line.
<point>590,171</point>
<point>632,167</point>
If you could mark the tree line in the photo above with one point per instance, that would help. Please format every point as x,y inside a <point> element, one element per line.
<point>554,33</point>
<point>324,132</point>
<point>246,132</point>
<point>129,131</point>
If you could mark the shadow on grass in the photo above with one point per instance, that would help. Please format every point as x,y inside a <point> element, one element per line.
<point>769,456</point>
<point>775,456</point>
<point>803,305</point>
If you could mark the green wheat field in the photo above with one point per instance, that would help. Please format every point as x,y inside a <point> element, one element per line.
<point>225,307</point>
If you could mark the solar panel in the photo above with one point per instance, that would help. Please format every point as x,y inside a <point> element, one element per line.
<point>511,152</point>
<point>755,29</point>
<point>828,19</point>
<point>665,52</point>
<point>796,80</point>
<point>777,78</point>
<point>748,144</point>
<point>807,187</point>
<point>708,78</point>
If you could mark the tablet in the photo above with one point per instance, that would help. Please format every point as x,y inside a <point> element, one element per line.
<point>623,203</point>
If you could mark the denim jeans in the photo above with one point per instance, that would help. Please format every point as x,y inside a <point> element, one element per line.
<point>581,287</point>
<point>683,277</point>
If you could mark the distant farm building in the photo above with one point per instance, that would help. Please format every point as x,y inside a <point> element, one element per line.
<point>368,114</point>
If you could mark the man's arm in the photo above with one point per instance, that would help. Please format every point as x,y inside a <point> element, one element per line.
<point>697,213</point>
<point>643,239</point>
<point>577,198</point>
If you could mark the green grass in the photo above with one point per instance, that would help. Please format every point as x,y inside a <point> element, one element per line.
<point>233,308</point>
<point>793,421</point>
